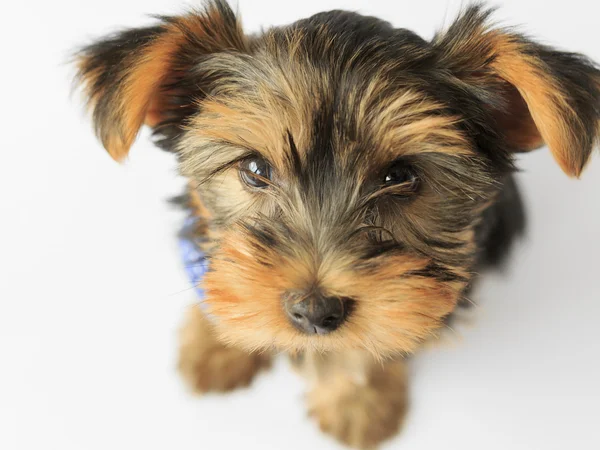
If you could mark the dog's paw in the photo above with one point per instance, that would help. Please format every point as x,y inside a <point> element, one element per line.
<point>361,415</point>
<point>219,368</point>
<point>208,365</point>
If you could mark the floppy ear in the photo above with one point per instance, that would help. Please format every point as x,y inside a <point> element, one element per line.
<point>535,93</point>
<point>143,75</point>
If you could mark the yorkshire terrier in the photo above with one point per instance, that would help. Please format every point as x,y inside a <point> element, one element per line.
<point>346,180</point>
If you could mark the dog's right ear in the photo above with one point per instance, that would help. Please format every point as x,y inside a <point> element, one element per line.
<point>142,75</point>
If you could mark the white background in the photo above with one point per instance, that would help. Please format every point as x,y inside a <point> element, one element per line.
<point>92,290</point>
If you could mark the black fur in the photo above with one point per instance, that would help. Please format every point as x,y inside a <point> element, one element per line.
<point>501,225</point>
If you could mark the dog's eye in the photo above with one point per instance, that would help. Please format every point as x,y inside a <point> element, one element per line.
<point>401,173</point>
<point>256,172</point>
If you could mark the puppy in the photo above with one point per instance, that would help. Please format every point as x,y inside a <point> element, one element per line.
<point>346,180</point>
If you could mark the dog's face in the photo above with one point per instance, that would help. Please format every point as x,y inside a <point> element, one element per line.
<point>344,165</point>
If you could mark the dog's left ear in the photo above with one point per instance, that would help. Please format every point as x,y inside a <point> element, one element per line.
<point>146,75</point>
<point>535,94</point>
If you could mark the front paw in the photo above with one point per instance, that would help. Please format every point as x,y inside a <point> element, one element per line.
<point>208,365</point>
<point>361,415</point>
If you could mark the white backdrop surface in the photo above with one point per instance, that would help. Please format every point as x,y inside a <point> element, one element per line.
<point>92,290</point>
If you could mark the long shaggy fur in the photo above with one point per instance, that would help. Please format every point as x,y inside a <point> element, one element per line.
<point>332,103</point>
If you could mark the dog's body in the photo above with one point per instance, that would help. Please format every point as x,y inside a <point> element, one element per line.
<point>347,179</point>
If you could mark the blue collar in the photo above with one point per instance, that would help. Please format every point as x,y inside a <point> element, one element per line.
<point>194,260</point>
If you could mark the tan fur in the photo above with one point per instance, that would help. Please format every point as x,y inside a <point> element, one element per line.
<point>378,161</point>
<point>244,116</point>
<point>405,125</point>
<point>539,110</point>
<point>143,79</point>
<point>545,100</point>
<point>251,313</point>
<point>358,400</point>
<point>199,211</point>
<point>207,364</point>
<point>140,98</point>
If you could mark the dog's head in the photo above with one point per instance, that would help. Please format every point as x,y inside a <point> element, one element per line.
<point>344,164</point>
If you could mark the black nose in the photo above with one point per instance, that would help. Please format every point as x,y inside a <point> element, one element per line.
<point>315,313</point>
